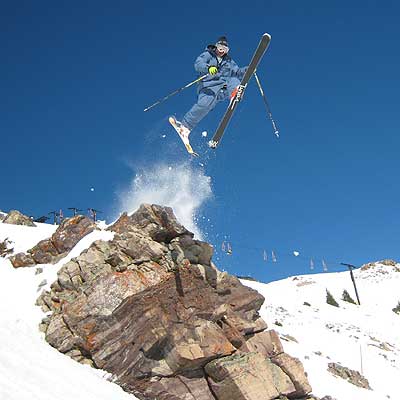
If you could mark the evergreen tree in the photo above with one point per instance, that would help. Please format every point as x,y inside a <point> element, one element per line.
<point>346,297</point>
<point>397,308</point>
<point>330,299</point>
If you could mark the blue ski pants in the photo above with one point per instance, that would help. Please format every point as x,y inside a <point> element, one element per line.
<point>206,101</point>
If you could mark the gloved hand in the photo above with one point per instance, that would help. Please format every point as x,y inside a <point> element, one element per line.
<point>212,70</point>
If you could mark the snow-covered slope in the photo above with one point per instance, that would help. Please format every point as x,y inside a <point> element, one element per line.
<point>25,237</point>
<point>29,368</point>
<point>365,338</point>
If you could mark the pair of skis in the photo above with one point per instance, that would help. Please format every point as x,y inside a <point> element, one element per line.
<point>235,99</point>
<point>251,69</point>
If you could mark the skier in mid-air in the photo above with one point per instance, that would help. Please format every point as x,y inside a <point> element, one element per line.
<point>223,77</point>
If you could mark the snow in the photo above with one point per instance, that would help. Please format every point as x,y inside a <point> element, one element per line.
<point>349,335</point>
<point>365,338</point>
<point>180,186</point>
<point>30,369</point>
<point>25,237</point>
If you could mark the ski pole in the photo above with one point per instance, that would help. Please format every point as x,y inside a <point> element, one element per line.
<point>266,105</point>
<point>176,91</point>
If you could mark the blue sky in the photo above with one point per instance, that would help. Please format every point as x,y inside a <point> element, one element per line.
<point>76,76</point>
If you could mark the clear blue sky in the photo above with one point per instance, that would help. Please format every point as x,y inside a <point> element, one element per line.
<point>76,76</point>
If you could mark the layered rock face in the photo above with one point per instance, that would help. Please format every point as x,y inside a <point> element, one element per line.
<point>49,251</point>
<point>150,307</point>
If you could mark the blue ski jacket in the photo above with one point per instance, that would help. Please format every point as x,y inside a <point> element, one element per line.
<point>227,69</point>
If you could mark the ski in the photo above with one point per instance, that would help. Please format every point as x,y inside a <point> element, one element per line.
<point>238,93</point>
<point>177,126</point>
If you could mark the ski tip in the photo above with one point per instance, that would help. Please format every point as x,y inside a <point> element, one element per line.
<point>267,35</point>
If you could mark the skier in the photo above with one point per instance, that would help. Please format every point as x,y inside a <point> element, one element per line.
<point>224,76</point>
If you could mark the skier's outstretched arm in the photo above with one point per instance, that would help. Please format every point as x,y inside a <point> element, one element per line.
<point>236,71</point>
<point>202,63</point>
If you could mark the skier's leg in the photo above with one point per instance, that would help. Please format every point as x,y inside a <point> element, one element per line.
<point>232,85</point>
<point>205,103</point>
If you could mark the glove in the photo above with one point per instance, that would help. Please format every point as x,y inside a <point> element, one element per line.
<point>212,70</point>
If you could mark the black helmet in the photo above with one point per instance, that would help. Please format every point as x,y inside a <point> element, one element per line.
<point>223,40</point>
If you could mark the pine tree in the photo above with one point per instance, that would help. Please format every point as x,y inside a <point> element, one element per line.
<point>346,297</point>
<point>330,299</point>
<point>397,308</point>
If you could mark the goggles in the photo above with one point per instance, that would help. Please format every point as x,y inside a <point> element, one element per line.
<point>222,48</point>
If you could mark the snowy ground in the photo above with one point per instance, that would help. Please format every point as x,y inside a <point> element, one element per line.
<point>364,338</point>
<point>29,368</point>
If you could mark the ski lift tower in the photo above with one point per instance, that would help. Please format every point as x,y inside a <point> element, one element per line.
<point>54,214</point>
<point>94,213</point>
<point>74,210</point>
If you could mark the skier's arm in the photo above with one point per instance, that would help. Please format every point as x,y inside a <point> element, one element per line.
<point>241,71</point>
<point>236,71</point>
<point>202,63</point>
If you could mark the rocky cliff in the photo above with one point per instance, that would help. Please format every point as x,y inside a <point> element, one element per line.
<point>51,250</point>
<point>151,308</point>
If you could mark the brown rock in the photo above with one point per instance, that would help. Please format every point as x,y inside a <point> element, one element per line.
<point>232,333</point>
<point>16,218</point>
<point>248,376</point>
<point>294,369</point>
<point>189,387</point>
<point>50,251</point>
<point>354,377</point>
<point>44,252</point>
<point>155,221</point>
<point>266,343</point>
<point>70,232</point>
<point>150,307</point>
<point>58,334</point>
<point>140,248</point>
<point>235,326</point>
<point>156,330</point>
<point>195,251</point>
<point>244,302</point>
<point>22,260</point>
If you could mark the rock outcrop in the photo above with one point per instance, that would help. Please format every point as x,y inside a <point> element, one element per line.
<point>16,218</point>
<point>379,270</point>
<point>151,308</point>
<point>354,377</point>
<point>51,250</point>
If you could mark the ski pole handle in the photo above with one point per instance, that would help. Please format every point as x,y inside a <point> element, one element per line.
<point>176,91</point>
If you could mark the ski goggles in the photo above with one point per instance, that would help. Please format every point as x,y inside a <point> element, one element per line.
<point>222,48</point>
